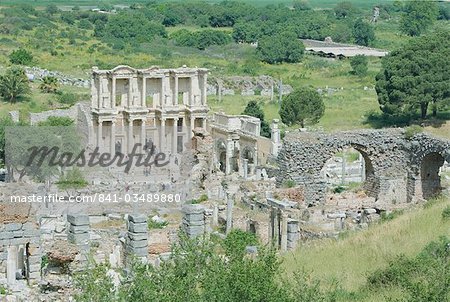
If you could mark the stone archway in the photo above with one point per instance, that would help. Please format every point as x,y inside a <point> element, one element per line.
<point>345,173</point>
<point>249,154</point>
<point>221,155</point>
<point>430,179</point>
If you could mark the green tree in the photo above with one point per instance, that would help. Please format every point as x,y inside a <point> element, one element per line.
<point>359,65</point>
<point>4,122</point>
<point>302,106</point>
<point>284,47</point>
<point>416,76</point>
<point>343,10</point>
<point>49,84</point>
<point>363,33</point>
<point>418,16</point>
<point>14,84</point>
<point>255,110</point>
<point>301,5</point>
<point>72,181</point>
<point>21,57</point>
<point>51,9</point>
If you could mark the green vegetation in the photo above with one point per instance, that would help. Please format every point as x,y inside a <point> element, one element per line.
<point>153,225</point>
<point>359,65</point>
<point>418,16</point>
<point>13,85</point>
<point>404,258</point>
<point>362,253</point>
<point>21,56</point>
<point>416,77</point>
<point>253,108</point>
<point>363,33</point>
<point>302,106</point>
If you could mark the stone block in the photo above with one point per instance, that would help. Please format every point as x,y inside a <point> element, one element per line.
<point>6,235</point>
<point>336,215</point>
<point>137,236</point>
<point>370,211</point>
<point>35,268</point>
<point>78,219</point>
<point>193,209</point>
<point>19,241</point>
<point>193,222</point>
<point>137,227</point>
<point>34,259</point>
<point>3,256</point>
<point>139,252</point>
<point>78,229</point>
<point>35,275</point>
<point>137,243</point>
<point>13,226</point>
<point>292,228</point>
<point>137,218</point>
<point>32,233</point>
<point>194,217</point>
<point>28,226</point>
<point>78,238</point>
<point>18,234</point>
<point>293,236</point>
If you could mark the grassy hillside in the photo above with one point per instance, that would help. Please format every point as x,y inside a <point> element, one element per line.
<point>351,259</point>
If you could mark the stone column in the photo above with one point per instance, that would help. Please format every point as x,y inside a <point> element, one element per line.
<point>144,92</point>
<point>162,94</point>
<point>11,265</point>
<point>292,234</point>
<point>94,93</point>
<point>245,168</point>
<point>193,223</point>
<point>230,204</point>
<point>174,136</point>
<point>205,84</point>
<point>363,168</point>
<point>78,229</point>
<point>113,92</point>
<point>191,128</point>
<point>100,135</point>
<point>136,241</point>
<point>284,231</point>
<point>113,138</point>
<point>130,135</point>
<point>175,91</point>
<point>271,225</point>
<point>275,138</point>
<point>276,228</point>
<point>229,155</point>
<point>142,134</point>
<point>215,216</point>
<point>162,136</point>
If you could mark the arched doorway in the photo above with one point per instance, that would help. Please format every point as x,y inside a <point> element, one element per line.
<point>221,155</point>
<point>248,154</point>
<point>350,168</point>
<point>430,174</point>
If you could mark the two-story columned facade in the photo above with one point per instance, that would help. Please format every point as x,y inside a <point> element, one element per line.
<point>158,106</point>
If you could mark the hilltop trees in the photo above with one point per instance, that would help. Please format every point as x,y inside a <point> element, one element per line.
<point>302,106</point>
<point>363,33</point>
<point>416,76</point>
<point>418,16</point>
<point>283,47</point>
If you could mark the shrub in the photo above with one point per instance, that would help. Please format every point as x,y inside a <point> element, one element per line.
<point>21,57</point>
<point>289,183</point>
<point>413,130</point>
<point>446,213</point>
<point>14,84</point>
<point>359,64</point>
<point>67,98</point>
<point>156,224</point>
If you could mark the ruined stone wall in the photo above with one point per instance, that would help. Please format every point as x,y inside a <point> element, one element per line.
<point>20,251</point>
<point>392,162</point>
<point>72,113</point>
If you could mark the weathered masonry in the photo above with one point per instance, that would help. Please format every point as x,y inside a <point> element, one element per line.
<point>398,168</point>
<point>158,106</point>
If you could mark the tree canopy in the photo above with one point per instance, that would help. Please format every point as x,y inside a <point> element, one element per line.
<point>14,84</point>
<point>284,47</point>
<point>255,110</point>
<point>416,76</point>
<point>303,106</point>
<point>418,16</point>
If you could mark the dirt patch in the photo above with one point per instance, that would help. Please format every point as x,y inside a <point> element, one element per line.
<point>15,212</point>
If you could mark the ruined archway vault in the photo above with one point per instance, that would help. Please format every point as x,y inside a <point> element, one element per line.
<point>395,162</point>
